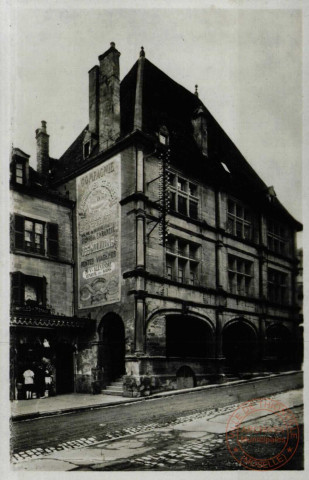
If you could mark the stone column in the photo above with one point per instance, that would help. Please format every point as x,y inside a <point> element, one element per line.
<point>140,239</point>
<point>139,325</point>
<point>139,170</point>
<point>263,278</point>
<point>219,264</point>
<point>140,216</point>
<point>219,352</point>
<point>140,256</point>
<point>263,230</point>
<point>262,341</point>
<point>219,242</point>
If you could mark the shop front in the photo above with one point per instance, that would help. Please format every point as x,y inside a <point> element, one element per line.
<point>42,356</point>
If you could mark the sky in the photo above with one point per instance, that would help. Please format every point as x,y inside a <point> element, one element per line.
<point>247,64</point>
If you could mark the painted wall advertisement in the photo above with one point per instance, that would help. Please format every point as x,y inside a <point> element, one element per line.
<point>98,234</point>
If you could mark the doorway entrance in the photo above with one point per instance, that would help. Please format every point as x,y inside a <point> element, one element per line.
<point>112,347</point>
<point>240,347</point>
<point>280,345</point>
<point>64,368</point>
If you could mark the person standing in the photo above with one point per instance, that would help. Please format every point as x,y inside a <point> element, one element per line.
<point>28,382</point>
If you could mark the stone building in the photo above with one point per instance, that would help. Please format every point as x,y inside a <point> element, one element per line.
<point>43,325</point>
<point>183,268</point>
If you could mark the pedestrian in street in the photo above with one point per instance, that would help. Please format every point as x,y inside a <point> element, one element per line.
<point>48,379</point>
<point>28,382</point>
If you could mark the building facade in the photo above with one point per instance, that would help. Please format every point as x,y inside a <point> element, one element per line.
<point>178,264</point>
<point>44,329</point>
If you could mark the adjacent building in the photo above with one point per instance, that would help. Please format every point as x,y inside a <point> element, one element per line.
<point>43,325</point>
<point>165,260</point>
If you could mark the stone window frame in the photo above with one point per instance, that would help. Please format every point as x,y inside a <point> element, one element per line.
<point>277,238</point>
<point>34,237</point>
<point>49,238</point>
<point>183,195</point>
<point>277,286</point>
<point>163,135</point>
<point>239,219</point>
<point>20,173</point>
<point>182,260</point>
<point>240,275</point>
<point>19,282</point>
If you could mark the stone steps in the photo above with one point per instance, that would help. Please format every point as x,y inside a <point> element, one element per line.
<point>114,388</point>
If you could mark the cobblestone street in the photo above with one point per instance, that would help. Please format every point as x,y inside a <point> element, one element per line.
<point>194,441</point>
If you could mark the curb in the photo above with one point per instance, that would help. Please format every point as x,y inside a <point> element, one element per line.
<point>64,411</point>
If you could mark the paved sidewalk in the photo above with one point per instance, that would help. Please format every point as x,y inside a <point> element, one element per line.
<point>62,403</point>
<point>34,408</point>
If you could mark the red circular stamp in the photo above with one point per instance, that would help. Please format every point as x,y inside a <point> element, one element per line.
<point>262,434</point>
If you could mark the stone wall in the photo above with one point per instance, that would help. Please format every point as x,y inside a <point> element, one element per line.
<point>58,272</point>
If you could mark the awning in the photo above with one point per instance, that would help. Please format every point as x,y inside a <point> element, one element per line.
<point>50,321</point>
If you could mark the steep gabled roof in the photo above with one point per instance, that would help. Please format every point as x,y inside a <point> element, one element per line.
<point>165,102</point>
<point>71,158</point>
<point>127,101</point>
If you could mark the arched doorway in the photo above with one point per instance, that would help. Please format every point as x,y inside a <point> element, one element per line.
<point>240,346</point>
<point>188,336</point>
<point>280,344</point>
<point>185,377</point>
<point>112,347</point>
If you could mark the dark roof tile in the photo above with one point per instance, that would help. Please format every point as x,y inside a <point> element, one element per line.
<point>165,102</point>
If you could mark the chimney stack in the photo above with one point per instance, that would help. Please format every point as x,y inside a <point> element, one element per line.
<point>138,108</point>
<point>104,100</point>
<point>94,100</point>
<point>42,149</point>
<point>108,97</point>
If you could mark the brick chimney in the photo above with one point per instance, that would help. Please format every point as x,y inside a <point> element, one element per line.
<point>109,97</point>
<point>42,149</point>
<point>94,100</point>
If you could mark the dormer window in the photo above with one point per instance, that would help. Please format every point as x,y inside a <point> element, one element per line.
<point>163,135</point>
<point>163,139</point>
<point>19,167</point>
<point>19,172</point>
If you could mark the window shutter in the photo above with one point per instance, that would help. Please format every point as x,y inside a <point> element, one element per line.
<point>52,239</point>
<point>44,283</point>
<point>19,232</point>
<point>12,232</point>
<point>17,288</point>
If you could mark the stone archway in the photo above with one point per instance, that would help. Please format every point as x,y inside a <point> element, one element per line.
<point>185,377</point>
<point>188,336</point>
<point>240,346</point>
<point>112,347</point>
<point>280,344</point>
